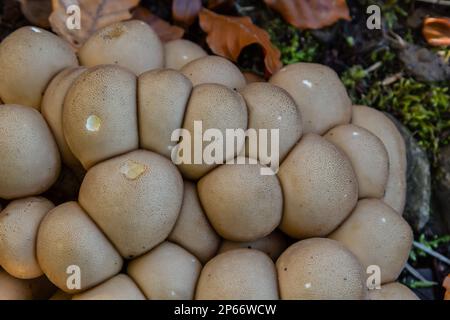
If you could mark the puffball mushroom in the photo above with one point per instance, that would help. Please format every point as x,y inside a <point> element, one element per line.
<point>392,291</point>
<point>162,99</point>
<point>52,110</point>
<point>29,58</point>
<point>270,107</point>
<point>19,289</point>
<point>180,52</point>
<point>242,274</point>
<point>240,202</point>
<point>377,235</point>
<point>368,156</point>
<point>192,230</point>
<point>320,188</point>
<point>120,287</point>
<point>30,159</point>
<point>381,126</point>
<point>131,44</point>
<point>135,199</point>
<point>218,108</point>
<point>167,272</point>
<point>214,69</point>
<point>320,268</point>
<point>273,245</point>
<point>319,94</point>
<point>19,224</point>
<point>100,114</point>
<point>68,237</point>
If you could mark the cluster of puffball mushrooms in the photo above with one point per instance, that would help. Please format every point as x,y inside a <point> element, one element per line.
<point>145,228</point>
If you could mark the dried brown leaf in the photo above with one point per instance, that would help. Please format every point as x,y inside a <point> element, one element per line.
<point>227,36</point>
<point>95,14</point>
<point>437,31</point>
<point>185,12</point>
<point>311,14</point>
<point>165,30</point>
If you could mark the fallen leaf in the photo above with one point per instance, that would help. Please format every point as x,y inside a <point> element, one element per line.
<point>165,30</point>
<point>227,36</point>
<point>186,11</point>
<point>437,31</point>
<point>37,11</point>
<point>95,14</point>
<point>311,14</point>
<point>446,285</point>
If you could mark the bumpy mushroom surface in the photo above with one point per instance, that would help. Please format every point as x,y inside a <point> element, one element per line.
<point>29,58</point>
<point>192,230</point>
<point>52,110</point>
<point>19,289</point>
<point>162,99</point>
<point>393,291</point>
<point>320,269</point>
<point>273,245</point>
<point>242,274</point>
<point>134,198</point>
<point>368,156</point>
<point>319,93</point>
<point>381,126</point>
<point>377,235</point>
<point>30,159</point>
<point>120,287</point>
<point>213,106</point>
<point>319,186</point>
<point>270,107</point>
<point>68,237</point>
<point>214,69</point>
<point>19,224</point>
<point>100,114</point>
<point>167,272</point>
<point>240,202</point>
<point>130,44</point>
<point>180,52</point>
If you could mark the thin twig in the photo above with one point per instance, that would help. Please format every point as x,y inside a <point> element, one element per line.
<point>417,275</point>
<point>374,67</point>
<point>441,2</point>
<point>431,252</point>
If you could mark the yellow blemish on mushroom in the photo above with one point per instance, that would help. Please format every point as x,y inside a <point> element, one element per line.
<point>132,169</point>
<point>93,123</point>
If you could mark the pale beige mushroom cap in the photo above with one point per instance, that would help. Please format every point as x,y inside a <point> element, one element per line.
<point>52,110</point>
<point>241,203</point>
<point>319,93</point>
<point>214,69</point>
<point>270,107</point>
<point>30,158</point>
<point>392,291</point>
<point>100,114</point>
<point>120,287</point>
<point>319,186</point>
<point>381,126</point>
<point>20,289</point>
<point>19,224</point>
<point>68,237</point>
<point>368,156</point>
<point>135,199</point>
<point>29,58</point>
<point>242,274</point>
<point>162,99</point>
<point>180,52</point>
<point>273,245</point>
<point>130,44</point>
<point>319,269</point>
<point>377,235</point>
<point>216,107</point>
<point>192,230</point>
<point>168,272</point>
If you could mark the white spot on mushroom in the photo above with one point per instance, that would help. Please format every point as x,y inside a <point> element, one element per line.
<point>93,123</point>
<point>307,83</point>
<point>308,285</point>
<point>34,29</point>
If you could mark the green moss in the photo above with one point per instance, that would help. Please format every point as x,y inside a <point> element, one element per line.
<point>294,45</point>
